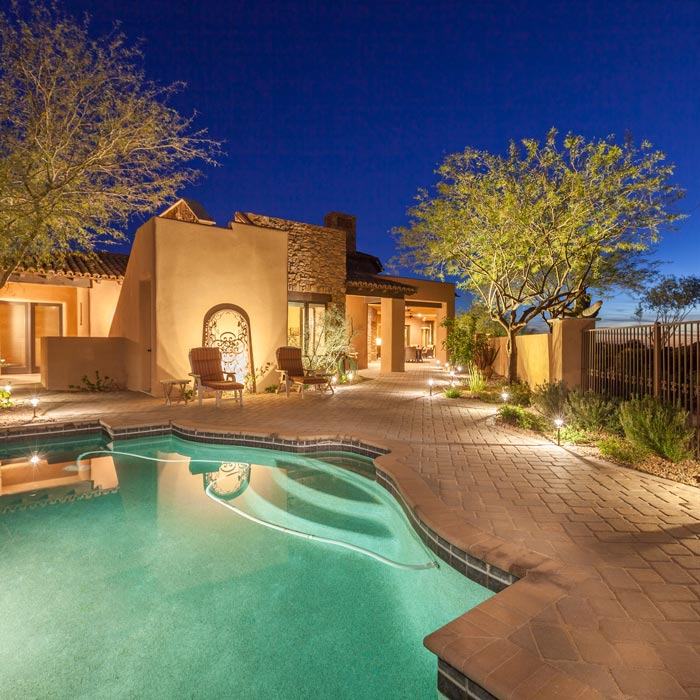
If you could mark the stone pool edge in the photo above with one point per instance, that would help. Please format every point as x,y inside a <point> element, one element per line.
<point>476,659</point>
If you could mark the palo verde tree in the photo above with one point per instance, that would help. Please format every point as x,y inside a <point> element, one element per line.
<point>671,299</point>
<point>85,139</point>
<point>529,232</point>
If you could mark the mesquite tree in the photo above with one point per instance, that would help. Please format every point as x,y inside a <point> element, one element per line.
<point>85,139</point>
<point>529,232</point>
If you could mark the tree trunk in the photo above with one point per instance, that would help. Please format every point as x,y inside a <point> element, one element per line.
<point>512,351</point>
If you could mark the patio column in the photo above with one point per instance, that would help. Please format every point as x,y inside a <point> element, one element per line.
<point>393,319</point>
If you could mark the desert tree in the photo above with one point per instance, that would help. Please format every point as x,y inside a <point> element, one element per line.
<point>530,232</point>
<point>671,299</point>
<point>85,139</point>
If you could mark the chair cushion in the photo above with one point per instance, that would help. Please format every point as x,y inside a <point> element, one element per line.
<point>301,379</point>
<point>222,386</point>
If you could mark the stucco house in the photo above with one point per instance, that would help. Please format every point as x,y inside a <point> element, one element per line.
<point>250,286</point>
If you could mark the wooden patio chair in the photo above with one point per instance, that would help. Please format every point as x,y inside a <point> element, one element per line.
<point>292,372</point>
<point>209,375</point>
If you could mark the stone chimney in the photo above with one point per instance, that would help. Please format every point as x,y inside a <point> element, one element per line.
<point>345,222</point>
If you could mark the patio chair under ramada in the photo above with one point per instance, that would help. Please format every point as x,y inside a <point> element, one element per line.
<point>209,375</point>
<point>292,372</point>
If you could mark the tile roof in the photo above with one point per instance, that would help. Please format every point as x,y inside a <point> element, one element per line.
<point>95,265</point>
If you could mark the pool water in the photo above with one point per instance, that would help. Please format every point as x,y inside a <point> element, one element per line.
<point>154,589</point>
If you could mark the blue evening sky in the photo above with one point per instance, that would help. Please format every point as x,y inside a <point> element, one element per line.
<point>351,105</point>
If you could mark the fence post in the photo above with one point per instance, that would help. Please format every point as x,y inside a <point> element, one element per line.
<point>657,359</point>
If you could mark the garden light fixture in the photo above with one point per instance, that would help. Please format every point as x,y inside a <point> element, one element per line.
<point>34,402</point>
<point>558,422</point>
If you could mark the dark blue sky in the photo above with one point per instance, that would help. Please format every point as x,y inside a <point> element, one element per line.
<point>350,106</point>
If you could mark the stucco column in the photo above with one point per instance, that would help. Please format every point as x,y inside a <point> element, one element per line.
<point>566,358</point>
<point>393,319</point>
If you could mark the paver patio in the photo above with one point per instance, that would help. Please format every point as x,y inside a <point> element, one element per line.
<point>609,602</point>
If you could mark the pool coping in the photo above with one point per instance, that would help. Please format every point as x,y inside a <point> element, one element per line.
<point>469,649</point>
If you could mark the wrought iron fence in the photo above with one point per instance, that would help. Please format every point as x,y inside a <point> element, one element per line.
<point>660,360</point>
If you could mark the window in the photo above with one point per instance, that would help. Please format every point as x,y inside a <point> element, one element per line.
<point>305,326</point>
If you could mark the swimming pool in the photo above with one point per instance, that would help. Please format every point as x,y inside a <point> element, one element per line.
<point>137,583</point>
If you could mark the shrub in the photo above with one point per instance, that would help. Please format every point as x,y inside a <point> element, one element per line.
<point>519,393</point>
<point>657,428</point>
<point>100,384</point>
<point>453,392</point>
<point>621,450</point>
<point>516,415</point>
<point>5,398</point>
<point>591,411</point>
<point>475,377</point>
<point>550,399</point>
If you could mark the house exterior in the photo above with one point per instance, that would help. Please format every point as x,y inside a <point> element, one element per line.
<point>249,287</point>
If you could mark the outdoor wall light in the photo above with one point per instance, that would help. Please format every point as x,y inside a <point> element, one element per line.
<point>558,422</point>
<point>34,402</point>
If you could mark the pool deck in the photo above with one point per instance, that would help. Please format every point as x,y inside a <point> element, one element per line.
<point>608,605</point>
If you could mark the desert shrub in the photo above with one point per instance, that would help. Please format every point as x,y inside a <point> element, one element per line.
<point>516,415</point>
<point>550,399</point>
<point>5,398</point>
<point>577,436</point>
<point>453,392</point>
<point>99,385</point>
<point>621,450</point>
<point>475,378</point>
<point>656,427</point>
<point>591,411</point>
<point>519,393</point>
<point>484,355</point>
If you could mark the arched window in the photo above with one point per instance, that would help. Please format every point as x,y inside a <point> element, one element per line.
<point>227,327</point>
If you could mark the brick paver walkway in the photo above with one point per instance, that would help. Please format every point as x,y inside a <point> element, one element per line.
<point>609,606</point>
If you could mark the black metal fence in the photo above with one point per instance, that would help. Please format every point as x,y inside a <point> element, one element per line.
<point>660,360</point>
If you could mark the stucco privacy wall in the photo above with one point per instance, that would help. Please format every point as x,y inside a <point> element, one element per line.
<point>533,357</point>
<point>198,267</point>
<point>73,358</point>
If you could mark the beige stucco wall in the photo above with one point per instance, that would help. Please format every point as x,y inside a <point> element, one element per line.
<point>67,360</point>
<point>198,267</point>
<point>190,269</point>
<point>133,317</point>
<point>103,297</point>
<point>533,358</point>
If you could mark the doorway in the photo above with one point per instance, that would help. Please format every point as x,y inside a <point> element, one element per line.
<point>22,326</point>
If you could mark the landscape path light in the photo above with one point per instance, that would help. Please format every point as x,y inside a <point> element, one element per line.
<point>430,385</point>
<point>505,396</point>
<point>558,422</point>
<point>34,402</point>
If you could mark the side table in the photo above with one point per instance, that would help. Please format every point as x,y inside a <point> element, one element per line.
<point>168,385</point>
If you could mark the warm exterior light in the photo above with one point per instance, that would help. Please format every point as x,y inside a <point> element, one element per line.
<point>459,369</point>
<point>34,459</point>
<point>34,402</point>
<point>438,362</point>
<point>430,385</point>
<point>351,376</point>
<point>558,422</point>
<point>504,396</point>
<point>378,342</point>
<point>8,388</point>
<point>334,380</point>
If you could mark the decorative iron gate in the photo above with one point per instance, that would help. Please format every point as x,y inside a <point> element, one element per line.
<point>660,360</point>
<point>227,327</point>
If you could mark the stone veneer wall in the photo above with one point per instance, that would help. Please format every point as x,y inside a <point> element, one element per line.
<point>316,257</point>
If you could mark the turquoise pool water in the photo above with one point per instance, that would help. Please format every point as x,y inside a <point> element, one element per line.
<point>157,590</point>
